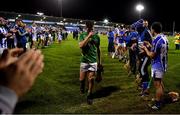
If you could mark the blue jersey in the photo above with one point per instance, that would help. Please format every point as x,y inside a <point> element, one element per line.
<point>160,47</point>
<point>145,36</point>
<point>21,38</point>
<point>121,39</point>
<point>131,38</point>
<point>133,35</point>
<point>121,33</point>
<point>110,36</point>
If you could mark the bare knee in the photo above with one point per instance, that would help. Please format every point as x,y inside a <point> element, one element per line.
<point>91,76</point>
<point>82,76</point>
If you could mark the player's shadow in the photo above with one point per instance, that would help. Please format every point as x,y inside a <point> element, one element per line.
<point>24,105</point>
<point>105,91</point>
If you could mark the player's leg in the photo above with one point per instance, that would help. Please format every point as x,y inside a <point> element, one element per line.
<point>158,84</point>
<point>124,50</point>
<point>116,48</point>
<point>134,65</point>
<point>109,48</point>
<point>140,63</point>
<point>91,76</point>
<point>34,42</point>
<point>82,81</point>
<point>125,53</point>
<point>82,77</point>
<point>120,52</point>
<point>159,92</point>
<point>145,76</point>
<point>116,51</point>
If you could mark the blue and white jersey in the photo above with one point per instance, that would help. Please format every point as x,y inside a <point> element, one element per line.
<point>116,35</point>
<point>34,32</point>
<point>160,47</point>
<point>3,32</point>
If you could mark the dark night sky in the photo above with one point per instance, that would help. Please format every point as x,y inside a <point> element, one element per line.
<point>123,11</point>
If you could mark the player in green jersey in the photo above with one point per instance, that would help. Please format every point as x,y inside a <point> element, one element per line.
<point>90,60</point>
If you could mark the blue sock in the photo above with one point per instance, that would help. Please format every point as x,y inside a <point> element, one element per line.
<point>144,85</point>
<point>158,103</point>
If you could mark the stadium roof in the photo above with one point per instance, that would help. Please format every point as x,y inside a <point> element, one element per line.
<point>56,20</point>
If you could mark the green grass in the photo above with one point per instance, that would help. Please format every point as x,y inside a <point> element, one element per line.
<point>57,88</point>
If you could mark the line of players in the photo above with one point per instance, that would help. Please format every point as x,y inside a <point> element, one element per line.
<point>135,45</point>
<point>24,36</point>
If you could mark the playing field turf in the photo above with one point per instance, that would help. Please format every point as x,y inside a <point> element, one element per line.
<point>57,88</point>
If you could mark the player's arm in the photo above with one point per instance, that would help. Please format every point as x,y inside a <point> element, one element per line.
<point>148,44</point>
<point>22,34</point>
<point>85,41</point>
<point>9,34</point>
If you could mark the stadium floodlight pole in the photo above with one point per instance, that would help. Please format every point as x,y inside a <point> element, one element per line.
<point>60,4</point>
<point>173,28</point>
<point>139,8</point>
<point>61,8</point>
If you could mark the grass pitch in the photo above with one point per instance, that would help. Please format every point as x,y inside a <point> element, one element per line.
<point>57,88</point>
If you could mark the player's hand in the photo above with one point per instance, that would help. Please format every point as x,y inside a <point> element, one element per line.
<point>99,64</point>
<point>9,56</point>
<point>142,47</point>
<point>20,75</point>
<point>8,34</point>
<point>27,30</point>
<point>147,44</point>
<point>13,30</point>
<point>91,34</point>
<point>133,46</point>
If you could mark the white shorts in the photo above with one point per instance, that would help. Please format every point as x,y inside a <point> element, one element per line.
<point>84,67</point>
<point>155,73</point>
<point>60,39</point>
<point>42,38</point>
<point>34,38</point>
<point>122,44</point>
<point>27,45</point>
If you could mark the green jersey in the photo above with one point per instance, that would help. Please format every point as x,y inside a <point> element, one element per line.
<point>89,52</point>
